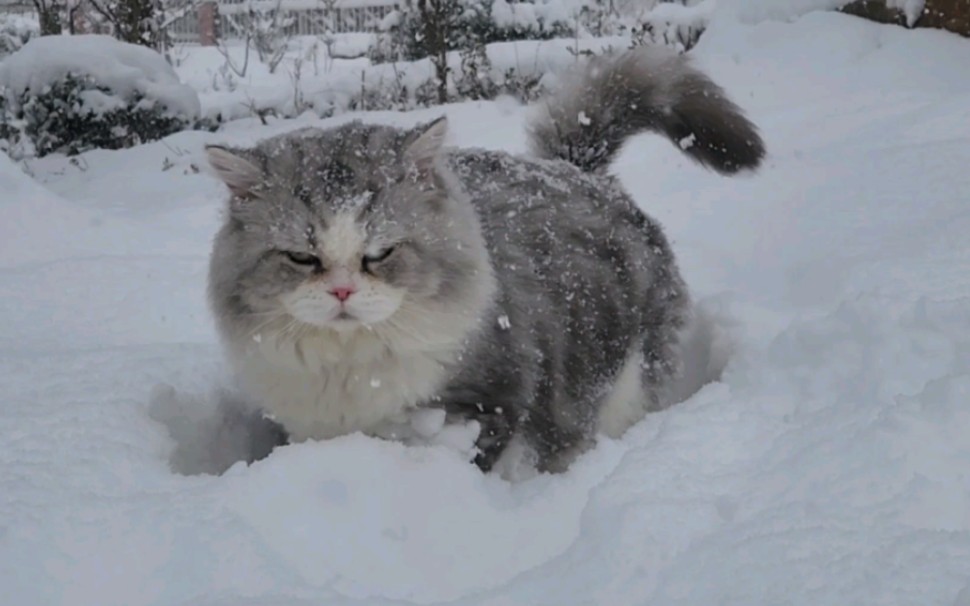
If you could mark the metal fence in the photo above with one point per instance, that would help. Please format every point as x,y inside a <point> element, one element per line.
<point>26,9</point>
<point>303,17</point>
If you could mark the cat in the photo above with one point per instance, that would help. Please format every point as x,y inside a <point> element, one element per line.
<point>364,271</point>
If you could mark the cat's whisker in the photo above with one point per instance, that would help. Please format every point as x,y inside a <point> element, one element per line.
<point>262,326</point>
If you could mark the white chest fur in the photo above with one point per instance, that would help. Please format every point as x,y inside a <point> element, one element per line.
<point>319,386</point>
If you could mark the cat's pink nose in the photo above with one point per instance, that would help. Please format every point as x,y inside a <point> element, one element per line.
<point>342,292</point>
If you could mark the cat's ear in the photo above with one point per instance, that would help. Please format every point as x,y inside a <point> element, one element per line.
<point>239,174</point>
<point>424,144</point>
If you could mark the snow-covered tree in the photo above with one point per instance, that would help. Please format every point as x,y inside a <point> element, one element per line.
<point>432,28</point>
<point>133,21</point>
<point>49,14</point>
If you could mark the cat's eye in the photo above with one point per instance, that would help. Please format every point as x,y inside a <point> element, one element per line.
<point>301,258</point>
<point>374,259</point>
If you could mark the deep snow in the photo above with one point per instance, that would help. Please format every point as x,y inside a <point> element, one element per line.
<point>827,464</point>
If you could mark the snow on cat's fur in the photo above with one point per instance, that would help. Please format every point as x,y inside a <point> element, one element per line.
<point>365,270</point>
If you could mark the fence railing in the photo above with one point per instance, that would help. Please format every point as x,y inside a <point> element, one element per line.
<point>18,8</point>
<point>195,22</point>
<point>303,18</point>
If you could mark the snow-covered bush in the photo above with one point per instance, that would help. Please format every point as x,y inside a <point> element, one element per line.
<point>422,29</point>
<point>73,93</point>
<point>15,31</point>
<point>428,28</point>
<point>433,28</point>
<point>677,23</point>
<point>264,26</point>
<point>473,79</point>
<point>520,69</point>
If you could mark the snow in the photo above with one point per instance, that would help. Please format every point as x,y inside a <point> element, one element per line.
<point>695,15</point>
<point>536,14</point>
<point>14,29</point>
<point>241,6</point>
<point>755,11</point>
<point>125,69</point>
<point>912,9</point>
<point>308,81</point>
<point>820,454</point>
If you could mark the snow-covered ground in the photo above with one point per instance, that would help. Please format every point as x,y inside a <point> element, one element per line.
<point>828,463</point>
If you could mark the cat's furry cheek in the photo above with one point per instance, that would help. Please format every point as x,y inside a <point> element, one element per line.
<point>375,303</point>
<point>311,304</point>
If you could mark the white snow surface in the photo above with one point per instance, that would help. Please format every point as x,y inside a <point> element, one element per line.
<point>820,455</point>
<point>688,15</point>
<point>911,9</point>
<point>125,69</point>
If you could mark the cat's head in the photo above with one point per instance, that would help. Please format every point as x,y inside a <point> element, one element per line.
<point>358,227</point>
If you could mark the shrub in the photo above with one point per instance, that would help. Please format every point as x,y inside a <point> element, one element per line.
<point>76,114</point>
<point>15,31</point>
<point>420,29</point>
<point>70,94</point>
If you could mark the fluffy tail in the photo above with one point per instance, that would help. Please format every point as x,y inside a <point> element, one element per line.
<point>644,89</point>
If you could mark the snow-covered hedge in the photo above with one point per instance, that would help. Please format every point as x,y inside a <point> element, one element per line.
<point>676,24</point>
<point>15,31</point>
<point>73,93</point>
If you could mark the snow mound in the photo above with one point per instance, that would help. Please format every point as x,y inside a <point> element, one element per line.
<point>27,209</point>
<point>911,9</point>
<point>127,70</point>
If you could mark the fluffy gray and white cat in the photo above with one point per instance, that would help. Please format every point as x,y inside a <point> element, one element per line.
<point>364,271</point>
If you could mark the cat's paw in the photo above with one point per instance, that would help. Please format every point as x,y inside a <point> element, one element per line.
<point>431,427</point>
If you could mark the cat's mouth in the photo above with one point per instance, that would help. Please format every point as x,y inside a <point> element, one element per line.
<point>344,321</point>
<point>341,321</point>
